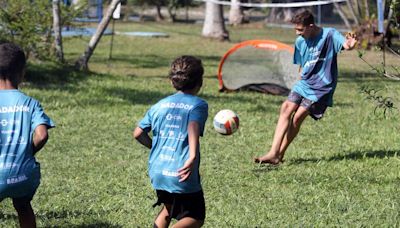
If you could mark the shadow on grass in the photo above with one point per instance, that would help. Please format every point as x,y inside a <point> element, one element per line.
<point>89,225</point>
<point>136,96</point>
<point>64,216</point>
<point>153,61</point>
<point>210,61</point>
<point>54,76</point>
<point>137,61</point>
<point>357,155</point>
<point>362,77</point>
<point>150,96</point>
<point>5,216</point>
<point>262,168</point>
<point>369,154</point>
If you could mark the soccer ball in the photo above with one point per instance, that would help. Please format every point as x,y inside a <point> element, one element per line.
<point>226,122</point>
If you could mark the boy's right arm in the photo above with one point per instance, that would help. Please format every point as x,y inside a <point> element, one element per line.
<point>142,137</point>
<point>40,138</point>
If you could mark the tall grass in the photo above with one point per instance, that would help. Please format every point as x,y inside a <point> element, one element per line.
<point>341,171</point>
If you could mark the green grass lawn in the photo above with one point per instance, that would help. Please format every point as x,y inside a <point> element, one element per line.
<point>342,171</point>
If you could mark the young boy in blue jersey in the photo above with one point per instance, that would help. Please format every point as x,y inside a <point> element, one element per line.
<point>316,51</point>
<point>177,122</point>
<point>23,132</point>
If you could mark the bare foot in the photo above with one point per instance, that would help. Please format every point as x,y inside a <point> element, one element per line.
<point>267,158</point>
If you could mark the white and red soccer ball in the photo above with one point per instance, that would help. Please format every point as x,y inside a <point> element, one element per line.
<point>226,122</point>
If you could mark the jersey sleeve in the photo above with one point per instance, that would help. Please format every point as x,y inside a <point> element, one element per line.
<point>145,123</point>
<point>200,115</point>
<point>338,40</point>
<point>40,118</point>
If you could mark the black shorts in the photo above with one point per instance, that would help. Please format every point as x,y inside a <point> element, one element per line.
<point>316,109</point>
<point>183,204</point>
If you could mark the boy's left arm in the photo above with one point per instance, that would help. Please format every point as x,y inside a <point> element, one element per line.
<point>40,137</point>
<point>142,137</point>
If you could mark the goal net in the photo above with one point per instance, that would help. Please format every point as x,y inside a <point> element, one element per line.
<point>262,65</point>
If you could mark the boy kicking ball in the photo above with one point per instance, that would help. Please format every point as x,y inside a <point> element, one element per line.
<point>316,51</point>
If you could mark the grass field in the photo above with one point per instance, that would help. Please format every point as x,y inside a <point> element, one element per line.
<point>342,171</point>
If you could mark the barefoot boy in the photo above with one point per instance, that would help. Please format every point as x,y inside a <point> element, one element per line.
<point>316,51</point>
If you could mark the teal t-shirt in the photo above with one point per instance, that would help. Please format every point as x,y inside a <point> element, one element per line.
<point>317,57</point>
<point>168,120</point>
<point>19,117</point>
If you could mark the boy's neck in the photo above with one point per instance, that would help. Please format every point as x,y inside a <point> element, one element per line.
<point>316,31</point>
<point>6,84</point>
<point>193,91</point>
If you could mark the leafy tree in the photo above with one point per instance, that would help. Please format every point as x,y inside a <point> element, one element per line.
<point>29,24</point>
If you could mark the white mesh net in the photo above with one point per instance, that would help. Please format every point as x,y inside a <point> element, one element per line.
<point>250,65</point>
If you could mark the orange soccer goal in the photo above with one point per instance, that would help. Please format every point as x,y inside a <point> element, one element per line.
<point>262,65</point>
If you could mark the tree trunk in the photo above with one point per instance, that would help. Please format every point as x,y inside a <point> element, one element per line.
<point>366,9</point>
<point>279,15</point>
<point>82,62</point>
<point>342,15</point>
<point>353,14</point>
<point>236,16</point>
<point>57,32</point>
<point>272,16</point>
<point>214,24</point>
<point>172,7</point>
<point>159,16</point>
<point>358,9</point>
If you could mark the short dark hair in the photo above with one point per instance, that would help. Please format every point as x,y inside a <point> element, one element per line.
<point>186,72</point>
<point>305,18</point>
<point>12,60</point>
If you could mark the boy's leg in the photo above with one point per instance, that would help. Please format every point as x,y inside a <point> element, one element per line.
<point>163,219</point>
<point>294,128</point>
<point>285,116</point>
<point>24,209</point>
<point>188,222</point>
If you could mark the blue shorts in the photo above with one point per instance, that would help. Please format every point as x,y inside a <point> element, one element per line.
<point>316,109</point>
<point>24,189</point>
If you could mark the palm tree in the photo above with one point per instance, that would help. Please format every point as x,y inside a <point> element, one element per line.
<point>82,62</point>
<point>214,24</point>
<point>236,15</point>
<point>57,31</point>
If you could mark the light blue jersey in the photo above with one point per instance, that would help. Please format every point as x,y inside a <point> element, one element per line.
<point>168,120</point>
<point>317,57</point>
<point>19,117</point>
